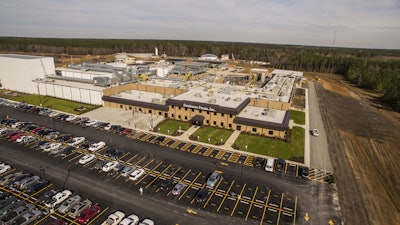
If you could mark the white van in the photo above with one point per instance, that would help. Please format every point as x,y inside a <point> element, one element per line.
<point>269,166</point>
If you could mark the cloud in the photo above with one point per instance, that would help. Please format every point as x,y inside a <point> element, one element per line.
<point>359,23</point>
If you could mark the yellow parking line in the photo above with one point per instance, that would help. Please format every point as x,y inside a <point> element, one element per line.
<point>148,173</point>
<point>297,170</point>
<point>295,210</point>
<point>265,207</point>
<point>251,203</point>
<point>8,172</point>
<point>42,219</point>
<point>212,192</point>
<point>237,201</point>
<point>152,160</point>
<point>142,159</point>
<point>280,209</point>
<point>220,154</point>
<point>208,151</point>
<point>130,159</point>
<point>225,195</point>
<point>189,185</point>
<point>165,141</point>
<point>169,193</point>
<point>79,155</point>
<point>38,192</point>
<point>120,158</point>
<point>286,166</point>
<point>158,175</point>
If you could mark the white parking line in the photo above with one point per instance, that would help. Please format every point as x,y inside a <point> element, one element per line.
<point>244,202</point>
<point>273,210</point>
<point>234,199</point>
<point>197,184</point>
<point>219,195</point>
<point>288,209</point>
<point>259,206</point>
<point>287,214</point>
<point>257,200</point>
<point>188,181</point>
<point>273,204</point>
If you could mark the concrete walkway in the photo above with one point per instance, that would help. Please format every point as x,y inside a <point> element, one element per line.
<point>231,140</point>
<point>188,132</point>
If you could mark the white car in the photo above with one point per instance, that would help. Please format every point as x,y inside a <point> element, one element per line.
<point>76,141</point>
<point>28,139</point>
<point>90,123</point>
<point>51,147</point>
<point>109,166</point>
<point>59,197</point>
<point>97,146</point>
<point>130,220</point>
<point>314,132</point>
<point>4,168</point>
<point>137,174</point>
<point>147,222</point>
<point>86,158</point>
<point>19,140</point>
<point>114,218</point>
<point>70,118</point>
<point>53,114</point>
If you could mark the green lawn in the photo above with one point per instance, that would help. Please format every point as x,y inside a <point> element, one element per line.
<point>274,147</point>
<point>54,103</point>
<point>172,126</point>
<point>298,117</point>
<point>214,134</point>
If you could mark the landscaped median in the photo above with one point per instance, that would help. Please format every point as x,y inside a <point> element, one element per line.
<point>53,103</point>
<point>212,135</point>
<point>171,127</point>
<point>274,147</point>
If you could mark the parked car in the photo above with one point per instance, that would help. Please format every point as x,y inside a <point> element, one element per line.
<point>213,179</point>
<point>159,139</point>
<point>28,139</point>
<point>259,162</point>
<point>32,188</point>
<point>16,213</point>
<point>127,170</point>
<point>99,164</point>
<point>178,188</point>
<point>114,218</point>
<point>69,203</point>
<point>88,214</point>
<point>66,150</point>
<point>130,220</point>
<point>86,158</point>
<point>136,174</point>
<point>51,146</point>
<point>27,181</point>
<point>166,184</point>
<point>28,218</point>
<point>280,164</point>
<point>76,141</point>
<point>117,153</point>
<point>4,168</point>
<point>57,222</point>
<point>9,177</point>
<point>202,195</point>
<point>47,196</point>
<point>58,198</point>
<point>17,179</point>
<point>303,171</point>
<point>147,222</point>
<point>109,166</point>
<point>97,146</point>
<point>79,208</point>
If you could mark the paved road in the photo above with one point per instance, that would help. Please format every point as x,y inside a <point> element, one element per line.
<point>318,145</point>
<point>313,198</point>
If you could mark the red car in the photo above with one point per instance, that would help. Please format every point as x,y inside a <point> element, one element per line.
<point>88,214</point>
<point>10,135</point>
<point>126,131</point>
<point>15,137</point>
<point>37,129</point>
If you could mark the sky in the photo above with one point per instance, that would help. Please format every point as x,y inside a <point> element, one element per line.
<point>338,23</point>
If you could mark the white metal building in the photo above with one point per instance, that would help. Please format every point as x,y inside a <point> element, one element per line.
<point>18,71</point>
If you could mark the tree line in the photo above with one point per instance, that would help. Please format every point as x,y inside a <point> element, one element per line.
<point>374,69</point>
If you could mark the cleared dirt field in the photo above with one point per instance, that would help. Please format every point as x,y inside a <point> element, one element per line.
<point>364,146</point>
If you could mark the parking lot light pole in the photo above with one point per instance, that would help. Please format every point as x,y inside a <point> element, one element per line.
<point>66,178</point>
<point>44,172</point>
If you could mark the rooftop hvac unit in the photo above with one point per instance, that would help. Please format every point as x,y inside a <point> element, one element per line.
<point>198,95</point>
<point>212,101</point>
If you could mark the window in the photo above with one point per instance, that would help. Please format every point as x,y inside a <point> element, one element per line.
<point>130,107</point>
<point>150,111</point>
<point>179,116</point>
<point>172,106</point>
<point>254,129</point>
<point>230,125</point>
<point>166,115</point>
<point>179,107</point>
<point>199,111</point>
<point>208,113</point>
<point>207,121</point>
<point>238,127</point>
<point>222,114</point>
<point>120,106</point>
<point>172,115</point>
<point>192,110</point>
<point>215,123</point>
<point>159,113</point>
<point>185,117</point>
<point>140,109</point>
<point>215,113</point>
<point>222,124</point>
<point>271,132</point>
<point>230,115</point>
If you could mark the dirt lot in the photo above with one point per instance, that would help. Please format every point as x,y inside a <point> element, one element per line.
<point>364,146</point>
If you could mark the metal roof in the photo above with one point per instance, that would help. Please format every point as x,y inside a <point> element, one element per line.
<point>15,56</point>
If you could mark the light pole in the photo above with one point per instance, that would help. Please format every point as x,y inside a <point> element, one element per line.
<point>44,172</point>
<point>208,140</point>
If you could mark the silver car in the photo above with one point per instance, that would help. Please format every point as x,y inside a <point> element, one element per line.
<point>26,182</point>
<point>28,217</point>
<point>178,188</point>
<point>79,208</point>
<point>127,170</point>
<point>213,179</point>
<point>69,203</point>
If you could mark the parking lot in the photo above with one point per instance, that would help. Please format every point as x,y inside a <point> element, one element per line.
<point>232,198</point>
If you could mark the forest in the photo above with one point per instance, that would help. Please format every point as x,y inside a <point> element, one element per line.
<point>374,69</point>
